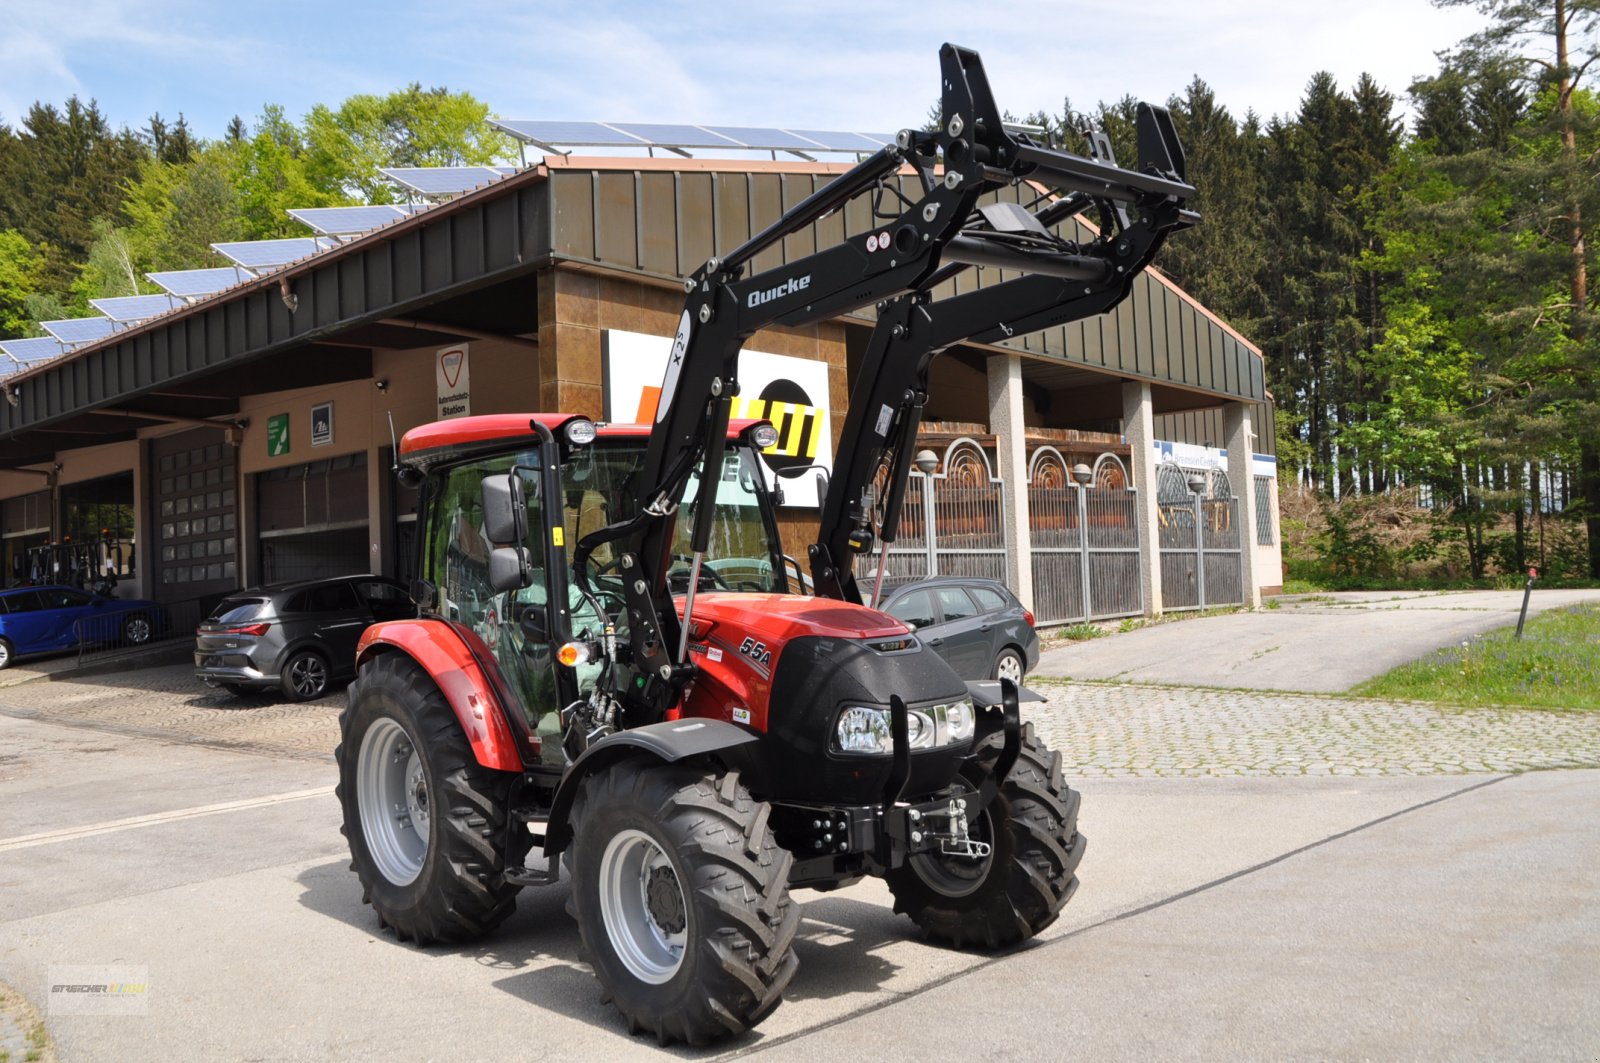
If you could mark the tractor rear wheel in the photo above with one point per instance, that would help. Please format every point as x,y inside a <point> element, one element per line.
<point>682,897</point>
<point>426,823</point>
<point>1021,886</point>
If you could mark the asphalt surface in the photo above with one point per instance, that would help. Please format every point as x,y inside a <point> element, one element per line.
<point>1319,643</point>
<point>1421,916</point>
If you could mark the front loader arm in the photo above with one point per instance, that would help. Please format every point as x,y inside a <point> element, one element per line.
<point>970,155</point>
<point>1067,283</point>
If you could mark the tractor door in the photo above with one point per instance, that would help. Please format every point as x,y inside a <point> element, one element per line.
<point>457,564</point>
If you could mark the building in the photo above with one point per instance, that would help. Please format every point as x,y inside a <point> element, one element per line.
<point>246,436</point>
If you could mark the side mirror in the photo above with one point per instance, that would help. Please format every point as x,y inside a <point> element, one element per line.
<point>510,568</point>
<point>505,513</point>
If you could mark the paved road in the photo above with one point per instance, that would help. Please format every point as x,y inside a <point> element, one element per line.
<point>1320,643</point>
<point>1340,918</point>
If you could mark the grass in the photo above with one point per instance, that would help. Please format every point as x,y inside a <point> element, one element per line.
<point>1556,665</point>
<point>1080,632</point>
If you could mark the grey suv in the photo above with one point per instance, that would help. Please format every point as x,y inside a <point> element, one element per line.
<point>298,637</point>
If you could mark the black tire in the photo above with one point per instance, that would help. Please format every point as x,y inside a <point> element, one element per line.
<point>1028,876</point>
<point>8,653</point>
<point>460,892</point>
<point>737,922</point>
<point>137,630</point>
<point>1009,656</point>
<point>304,676</point>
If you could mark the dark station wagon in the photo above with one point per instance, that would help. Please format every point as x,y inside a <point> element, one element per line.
<point>298,637</point>
<point>977,625</point>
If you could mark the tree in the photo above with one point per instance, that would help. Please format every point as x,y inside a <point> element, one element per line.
<point>1549,44</point>
<point>19,271</point>
<point>411,127</point>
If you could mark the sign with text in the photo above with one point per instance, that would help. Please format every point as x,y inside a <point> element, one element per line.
<point>792,393</point>
<point>277,435</point>
<point>322,424</point>
<point>454,380</point>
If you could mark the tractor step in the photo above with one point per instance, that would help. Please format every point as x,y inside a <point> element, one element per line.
<point>534,876</point>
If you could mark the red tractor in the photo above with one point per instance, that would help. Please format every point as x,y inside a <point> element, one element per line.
<point>617,670</point>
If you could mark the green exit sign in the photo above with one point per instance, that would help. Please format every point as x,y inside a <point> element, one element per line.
<point>277,435</point>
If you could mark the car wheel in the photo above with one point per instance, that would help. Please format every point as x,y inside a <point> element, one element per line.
<point>6,654</point>
<point>136,630</point>
<point>1009,665</point>
<point>305,676</point>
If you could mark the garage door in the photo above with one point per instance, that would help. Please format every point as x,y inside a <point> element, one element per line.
<point>312,519</point>
<point>196,515</point>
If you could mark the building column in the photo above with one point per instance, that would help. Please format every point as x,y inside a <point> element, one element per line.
<point>1241,441</point>
<point>1011,452</point>
<point>1138,428</point>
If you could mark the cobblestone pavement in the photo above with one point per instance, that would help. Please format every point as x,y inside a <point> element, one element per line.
<point>1126,730</point>
<point>170,703</point>
<point>1102,730</point>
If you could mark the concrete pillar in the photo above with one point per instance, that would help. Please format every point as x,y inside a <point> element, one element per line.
<point>1011,451</point>
<point>1138,428</point>
<point>1241,441</point>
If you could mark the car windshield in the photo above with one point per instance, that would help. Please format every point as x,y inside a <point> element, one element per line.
<point>237,610</point>
<point>602,488</point>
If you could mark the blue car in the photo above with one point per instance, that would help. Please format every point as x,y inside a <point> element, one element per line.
<point>50,618</point>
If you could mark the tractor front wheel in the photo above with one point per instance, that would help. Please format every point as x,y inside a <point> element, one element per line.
<point>1028,876</point>
<point>682,897</point>
<point>426,823</point>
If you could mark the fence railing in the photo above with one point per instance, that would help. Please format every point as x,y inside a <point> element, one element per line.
<point>1201,564</point>
<point>120,630</point>
<point>1085,552</point>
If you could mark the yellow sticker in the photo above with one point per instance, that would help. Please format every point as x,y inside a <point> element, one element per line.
<point>558,536</point>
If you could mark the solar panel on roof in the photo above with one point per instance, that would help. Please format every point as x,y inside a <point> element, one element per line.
<point>837,141</point>
<point>441,180</point>
<point>573,134</point>
<point>676,136</point>
<point>193,283</point>
<point>32,350</point>
<point>346,221</point>
<point>765,139</point>
<point>269,254</point>
<point>74,330</point>
<point>133,307</point>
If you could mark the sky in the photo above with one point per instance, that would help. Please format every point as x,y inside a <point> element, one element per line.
<point>818,64</point>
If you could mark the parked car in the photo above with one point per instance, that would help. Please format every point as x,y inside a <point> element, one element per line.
<point>975,624</point>
<point>52,617</point>
<point>299,637</point>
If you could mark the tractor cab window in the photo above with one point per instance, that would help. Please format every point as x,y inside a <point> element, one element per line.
<point>457,563</point>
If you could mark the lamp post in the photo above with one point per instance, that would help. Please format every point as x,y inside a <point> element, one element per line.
<point>1082,477</point>
<point>1196,482</point>
<point>927,463</point>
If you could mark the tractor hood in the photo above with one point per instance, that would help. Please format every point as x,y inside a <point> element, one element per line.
<point>781,617</point>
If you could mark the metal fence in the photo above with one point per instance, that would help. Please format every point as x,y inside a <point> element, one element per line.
<point>1201,564</point>
<point>952,522</point>
<point>124,631</point>
<point>1085,545</point>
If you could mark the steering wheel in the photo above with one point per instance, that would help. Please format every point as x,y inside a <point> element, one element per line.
<point>707,574</point>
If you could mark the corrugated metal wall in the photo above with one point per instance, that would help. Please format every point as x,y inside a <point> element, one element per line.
<point>668,223</point>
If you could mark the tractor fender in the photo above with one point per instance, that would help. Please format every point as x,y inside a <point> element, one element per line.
<point>667,742</point>
<point>442,652</point>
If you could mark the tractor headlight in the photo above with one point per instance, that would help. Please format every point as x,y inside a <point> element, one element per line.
<point>867,731</point>
<point>764,436</point>
<point>580,431</point>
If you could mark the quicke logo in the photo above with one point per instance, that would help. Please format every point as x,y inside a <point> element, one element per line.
<point>788,287</point>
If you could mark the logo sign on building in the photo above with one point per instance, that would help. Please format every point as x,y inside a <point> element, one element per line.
<point>454,381</point>
<point>277,435</point>
<point>322,424</point>
<point>790,392</point>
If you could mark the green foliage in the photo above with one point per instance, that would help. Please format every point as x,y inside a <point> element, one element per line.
<point>1082,632</point>
<point>1556,665</point>
<point>20,266</point>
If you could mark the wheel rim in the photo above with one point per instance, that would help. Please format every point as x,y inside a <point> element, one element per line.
<point>1009,668</point>
<point>138,630</point>
<point>642,904</point>
<point>308,676</point>
<point>392,793</point>
<point>952,876</point>
<point>5,655</point>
